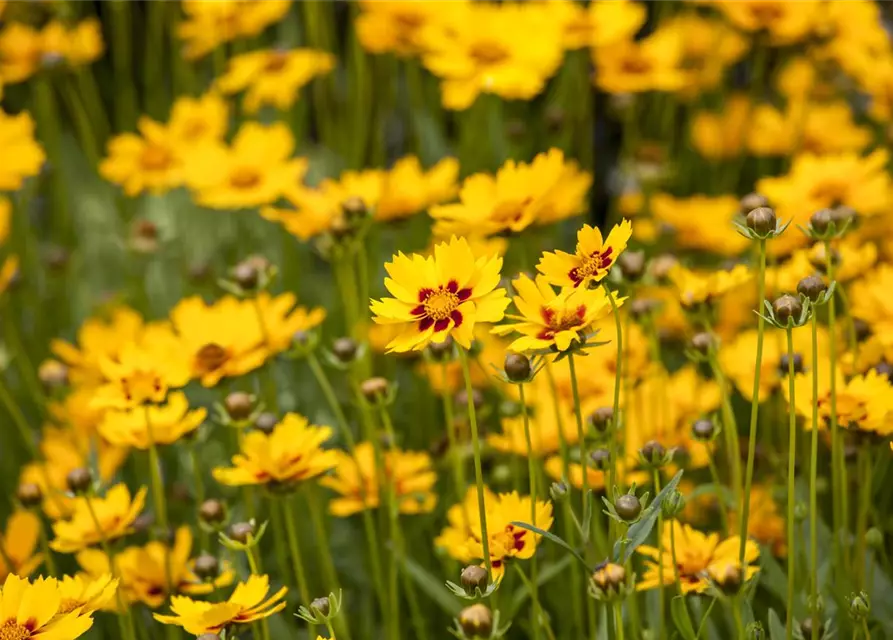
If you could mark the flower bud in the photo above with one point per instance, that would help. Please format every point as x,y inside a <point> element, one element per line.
<point>787,309</point>
<point>245,275</point>
<point>345,349</point>
<point>860,605</point>
<point>812,287</point>
<point>761,220</point>
<point>321,605</point>
<point>476,621</point>
<point>517,367</point>
<point>728,577</point>
<point>206,567</point>
<point>609,578</point>
<point>752,201</point>
<point>703,430</point>
<point>662,265</point>
<point>702,342</point>
<point>600,419</point>
<point>354,208</point>
<point>265,422</point>
<point>474,577</point>
<point>874,538</point>
<point>754,631</point>
<point>632,264</point>
<point>600,458</point>
<point>52,374</point>
<point>672,505</point>
<point>628,507</point>
<point>785,360</point>
<point>441,350</point>
<point>29,494</point>
<point>241,532</point>
<point>806,628</point>
<point>558,491</point>
<point>238,405</point>
<point>653,452</point>
<point>79,480</point>
<point>820,221</point>
<point>477,398</point>
<point>212,512</point>
<point>375,389</point>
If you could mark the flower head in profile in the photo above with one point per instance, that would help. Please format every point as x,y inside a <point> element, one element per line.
<point>115,513</point>
<point>439,296</point>
<point>86,595</point>
<point>19,544</point>
<point>356,481</point>
<point>704,287</point>
<point>22,154</point>
<point>273,76</point>
<point>696,554</point>
<point>34,610</point>
<point>593,258</point>
<point>248,602</point>
<point>291,454</point>
<point>141,427</point>
<point>553,320</point>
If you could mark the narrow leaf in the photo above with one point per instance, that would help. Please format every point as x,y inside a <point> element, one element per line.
<point>431,585</point>
<point>639,532</point>
<point>776,628</point>
<point>553,538</point>
<point>548,573</point>
<point>682,619</point>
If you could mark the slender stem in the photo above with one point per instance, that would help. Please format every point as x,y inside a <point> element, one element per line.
<point>252,565</point>
<point>618,378</point>
<point>531,473</point>
<point>673,553</point>
<point>581,437</point>
<point>739,624</point>
<point>618,618</point>
<point>331,399</point>
<point>705,618</point>
<point>455,453</point>
<point>325,554</point>
<point>865,629</point>
<point>478,472</point>
<point>792,455</point>
<point>729,426</point>
<point>198,479</point>
<point>294,547</point>
<point>813,479</point>
<point>837,461</point>
<point>660,558</point>
<point>865,470</point>
<point>714,474</point>
<point>754,406</point>
<point>393,510</point>
<point>158,493</point>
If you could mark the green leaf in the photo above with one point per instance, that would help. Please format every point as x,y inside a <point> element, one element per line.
<point>520,596</point>
<point>772,576</point>
<point>431,585</point>
<point>553,538</point>
<point>776,628</point>
<point>682,619</point>
<point>639,532</point>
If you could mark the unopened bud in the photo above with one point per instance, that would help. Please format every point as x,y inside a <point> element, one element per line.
<point>702,342</point>
<point>265,422</point>
<point>787,309</point>
<point>206,567</point>
<point>375,389</point>
<point>752,201</point>
<point>703,430</point>
<point>345,349</point>
<point>820,221</point>
<point>558,491</point>
<point>628,507</point>
<point>601,419</point>
<point>601,459</point>
<point>321,605</point>
<point>609,578</point>
<point>762,220</point>
<point>29,494</point>
<point>52,374</point>
<point>79,480</point>
<point>476,621</point>
<point>238,405</point>
<point>241,532</point>
<point>441,350</point>
<point>812,287</point>
<point>474,577</point>
<point>632,264</point>
<point>517,367</point>
<point>212,512</point>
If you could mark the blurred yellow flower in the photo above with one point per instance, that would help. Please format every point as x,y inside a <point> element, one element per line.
<point>19,543</point>
<point>387,26</point>
<point>598,478</point>
<point>722,135</point>
<point>86,595</point>
<point>33,610</point>
<point>273,77</point>
<point>207,25</point>
<point>709,47</point>
<point>864,403</point>
<point>114,515</point>
<point>25,50</point>
<point>783,21</point>
<point>704,287</point>
<point>810,128</point>
<point>23,156</point>
<point>148,162</point>
<point>651,64</point>
<point>544,428</point>
<point>453,539</point>
<point>701,223</point>
<point>143,426</point>
<point>600,24</point>
<point>592,259</point>
<point>447,376</point>
<point>195,121</point>
<point>764,524</point>
<point>355,480</point>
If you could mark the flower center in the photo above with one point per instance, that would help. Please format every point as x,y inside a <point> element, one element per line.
<point>593,265</point>
<point>766,14</point>
<point>636,64</point>
<point>409,19</point>
<point>11,630</point>
<point>210,358</point>
<point>558,321</point>
<point>831,192</point>
<point>244,178</point>
<point>276,62</point>
<point>440,304</point>
<point>488,53</point>
<point>141,385</point>
<point>194,129</point>
<point>155,158</point>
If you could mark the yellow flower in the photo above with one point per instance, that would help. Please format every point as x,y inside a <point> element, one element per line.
<point>546,190</point>
<point>24,50</point>
<point>255,170</point>
<point>142,426</point>
<point>355,479</point>
<point>395,26</point>
<point>22,154</point>
<point>447,376</point>
<point>290,454</point>
<point>864,403</point>
<point>282,318</point>
<point>247,603</point>
<point>696,554</point>
<point>19,542</point>
<point>601,24</point>
<point>544,428</point>
<point>148,162</point>
<point>195,121</point>
<point>709,47</point>
<point>634,66</point>
<point>554,467</point>
<point>507,49</point>
<point>871,301</point>
<point>810,128</point>
<point>453,539</point>
<point>765,524</point>
<point>34,611</point>
<point>554,320</point>
<point>592,259</point>
<point>408,189</point>
<point>273,76</point>
<point>85,595</point>
<point>210,24</point>
<point>115,514</point>
<point>20,52</point>
<point>699,287</point>
<point>785,22</point>
<point>441,295</point>
<point>84,42</point>
<point>702,223</point>
<point>722,135</point>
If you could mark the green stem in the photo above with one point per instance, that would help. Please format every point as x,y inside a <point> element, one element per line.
<point>618,618</point>
<point>723,507</point>
<point>581,437</point>
<point>455,453</point>
<point>792,455</point>
<point>325,555</point>
<point>729,427</point>
<point>204,538</point>
<point>478,472</point>
<point>838,469</point>
<point>122,58</point>
<point>158,494</point>
<point>813,480</point>
<point>754,407</point>
<point>531,473</point>
<point>294,548</point>
<point>393,510</point>
<point>326,386</point>
<point>739,624</point>
<point>673,553</point>
<point>618,378</point>
<point>660,559</point>
<point>252,565</point>
<point>865,471</point>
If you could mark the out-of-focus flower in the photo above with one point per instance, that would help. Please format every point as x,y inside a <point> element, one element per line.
<point>25,50</point>
<point>722,135</point>
<point>19,544</point>
<point>254,171</point>
<point>546,190</point>
<point>248,602</point>
<point>505,49</point>
<point>22,154</point>
<point>549,319</point>
<point>196,121</point>
<point>697,287</point>
<point>273,77</point>
<point>207,25</point>
<point>702,223</point>
<point>864,403</point>
<point>598,478</point>
<point>355,480</point>
<point>651,64</point>
<point>144,162</point>
<point>600,24</point>
<point>696,553</point>
<point>441,295</point>
<point>592,259</point>
<point>453,539</point>
<point>291,454</point>
<point>783,22</point>
<point>709,47</point>
<point>143,426</point>
<point>765,524</point>
<point>33,610</point>
<point>852,259</point>
<point>545,437</point>
<point>448,376</point>
<point>86,595</point>
<point>810,128</point>
<point>115,514</point>
<point>396,26</point>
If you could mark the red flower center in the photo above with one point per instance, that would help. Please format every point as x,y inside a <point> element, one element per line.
<point>438,306</point>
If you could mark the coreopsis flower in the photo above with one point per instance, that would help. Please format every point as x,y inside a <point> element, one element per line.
<point>279,318</point>
<point>207,25</point>
<point>864,403</point>
<point>143,571</point>
<point>86,595</point>
<point>396,26</point>
<point>411,474</point>
<point>439,296</point>
<point>702,223</point>
<point>33,610</point>
<point>24,50</point>
<point>19,543</point>
<point>764,524</point>
<point>634,66</point>
<point>115,512</point>
<point>509,50</point>
<point>705,287</point>
<point>592,259</point>
<point>247,603</point>
<point>549,319</point>
<point>600,24</point>
<point>507,541</point>
<point>546,428</point>
<point>696,553</point>
<point>196,121</point>
<point>144,162</point>
<point>144,426</point>
<point>853,258</point>
<point>785,23</point>
<point>723,134</point>
<point>255,170</point>
<point>273,77</point>
<point>709,47</point>
<point>823,128</point>
<point>447,377</point>
<point>598,478</point>
<point>23,156</point>
<point>290,454</point>
<point>453,539</point>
